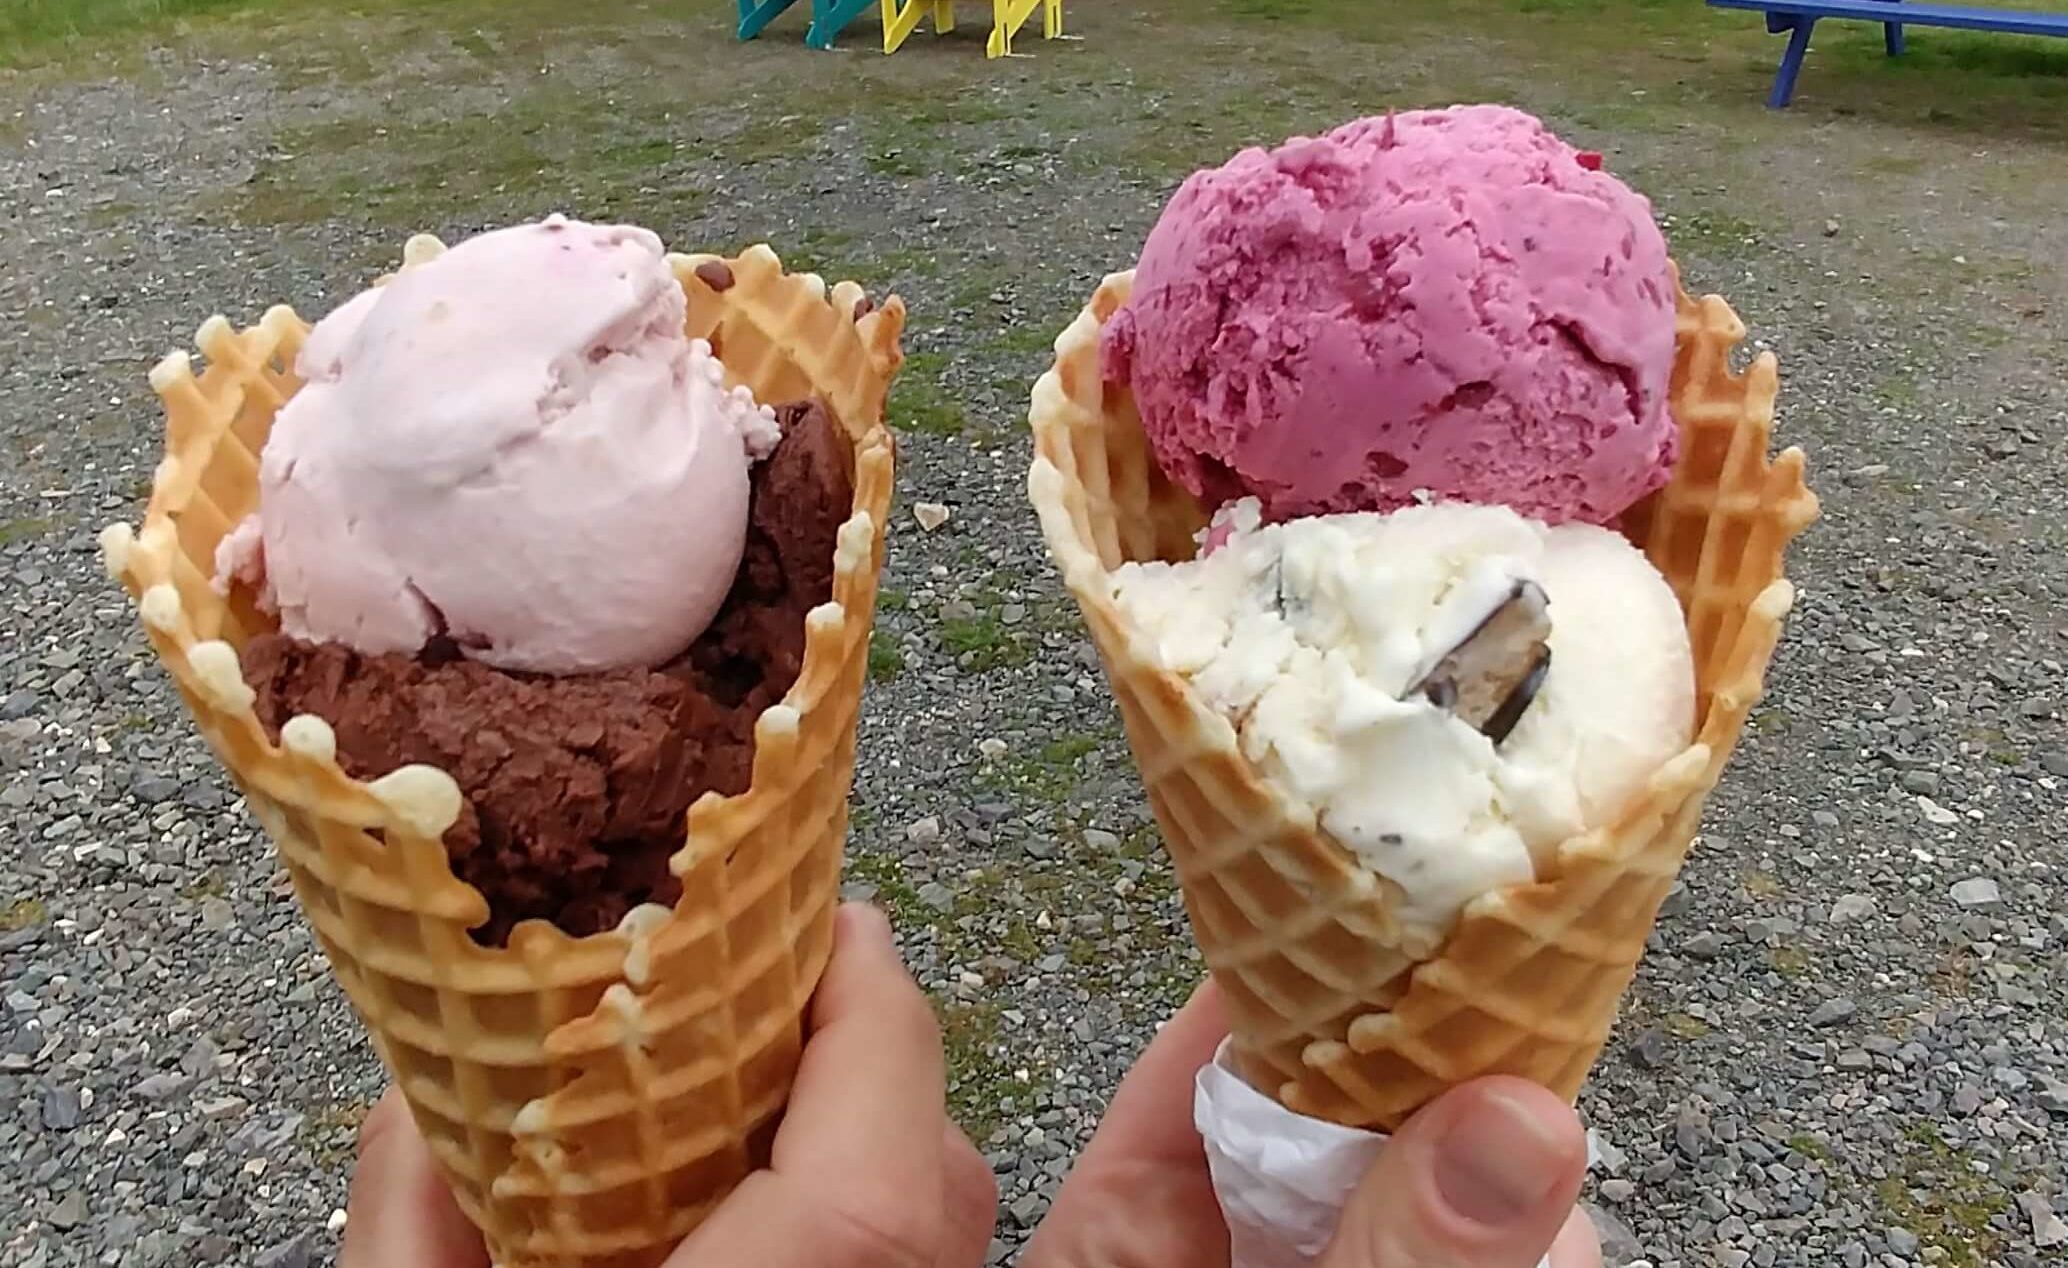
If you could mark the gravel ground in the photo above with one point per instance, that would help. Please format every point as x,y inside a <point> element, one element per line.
<point>1847,1044</point>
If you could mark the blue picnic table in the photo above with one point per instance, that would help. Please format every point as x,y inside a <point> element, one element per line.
<point>1797,18</point>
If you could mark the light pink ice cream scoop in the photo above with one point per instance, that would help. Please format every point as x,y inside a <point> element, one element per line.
<point>1453,301</point>
<point>514,445</point>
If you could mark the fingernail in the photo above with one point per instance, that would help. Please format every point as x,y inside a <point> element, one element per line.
<point>1499,1161</point>
<point>866,924</point>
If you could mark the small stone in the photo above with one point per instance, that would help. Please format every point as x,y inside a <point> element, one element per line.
<point>216,913</point>
<point>291,1254</point>
<point>1967,1098</point>
<point>936,895</point>
<point>2047,1227</point>
<point>1833,1011</point>
<point>1977,891</point>
<point>1605,1154</point>
<point>2055,763</point>
<point>1618,1191</point>
<point>1706,945</point>
<point>2053,1095</point>
<point>160,1087</point>
<point>19,704</point>
<point>336,1223</point>
<point>931,515</point>
<point>154,789</point>
<point>1902,1241</point>
<point>1100,839</point>
<point>925,831</point>
<point>199,1062</point>
<point>1831,228</point>
<point>1855,1059</point>
<point>1648,1050</point>
<point>69,1213</point>
<point>1852,907</point>
<point>992,749</point>
<point>1936,813</point>
<point>1823,818</point>
<point>1922,782</point>
<point>61,1109</point>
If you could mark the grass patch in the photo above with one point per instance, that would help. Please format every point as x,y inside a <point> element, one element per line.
<point>28,26</point>
<point>1938,1195</point>
<point>983,642</point>
<point>1759,884</point>
<point>1810,1147</point>
<point>331,1132</point>
<point>21,913</point>
<point>920,403</point>
<point>814,251</point>
<point>1710,233</point>
<point>209,885</point>
<point>886,660</point>
<point>985,1087</point>
<point>1789,961</point>
<point>1683,1026</point>
<point>20,530</point>
<point>536,152</point>
<point>893,600</point>
<point>1049,774</point>
<point>895,893</point>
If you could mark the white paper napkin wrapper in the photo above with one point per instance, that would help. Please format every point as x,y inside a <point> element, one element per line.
<point>1282,1178</point>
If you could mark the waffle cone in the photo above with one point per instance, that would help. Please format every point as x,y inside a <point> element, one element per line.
<point>590,1099</point>
<point>1336,1010</point>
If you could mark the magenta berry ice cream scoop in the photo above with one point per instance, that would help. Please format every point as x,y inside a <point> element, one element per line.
<point>1449,302</point>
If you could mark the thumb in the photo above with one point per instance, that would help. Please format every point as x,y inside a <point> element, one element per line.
<point>400,1213</point>
<point>1482,1178</point>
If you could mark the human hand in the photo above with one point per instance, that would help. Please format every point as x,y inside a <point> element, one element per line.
<point>1485,1177</point>
<point>867,1170</point>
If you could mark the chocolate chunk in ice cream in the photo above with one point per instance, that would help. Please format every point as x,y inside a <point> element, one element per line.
<point>575,787</point>
<point>1492,675</point>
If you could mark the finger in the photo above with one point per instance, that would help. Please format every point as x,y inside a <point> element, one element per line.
<point>1578,1244</point>
<point>872,1071</point>
<point>856,1172</point>
<point>971,1201</point>
<point>400,1214</point>
<point>1483,1178</point>
<point>1151,1113</point>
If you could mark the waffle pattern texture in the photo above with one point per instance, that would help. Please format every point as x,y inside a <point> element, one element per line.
<point>589,1099</point>
<point>1336,1013</point>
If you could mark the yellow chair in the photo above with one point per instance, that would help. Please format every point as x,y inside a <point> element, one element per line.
<point>902,17</point>
<point>900,20</point>
<point>1008,16</point>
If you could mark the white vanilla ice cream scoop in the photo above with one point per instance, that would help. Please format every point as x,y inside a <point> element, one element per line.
<point>1453,689</point>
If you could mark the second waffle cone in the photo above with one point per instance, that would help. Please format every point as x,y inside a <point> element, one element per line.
<point>590,1100</point>
<point>1335,1011</point>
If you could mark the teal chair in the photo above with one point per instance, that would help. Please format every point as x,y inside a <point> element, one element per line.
<point>828,17</point>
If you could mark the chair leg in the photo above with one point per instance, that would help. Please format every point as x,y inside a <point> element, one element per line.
<point>943,16</point>
<point>1892,33</point>
<point>1000,43</point>
<point>754,16</point>
<point>1791,63</point>
<point>1052,20</point>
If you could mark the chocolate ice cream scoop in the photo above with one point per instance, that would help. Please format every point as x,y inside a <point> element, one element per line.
<point>576,787</point>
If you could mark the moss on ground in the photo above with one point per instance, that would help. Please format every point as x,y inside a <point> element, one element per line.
<point>23,912</point>
<point>1937,1193</point>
